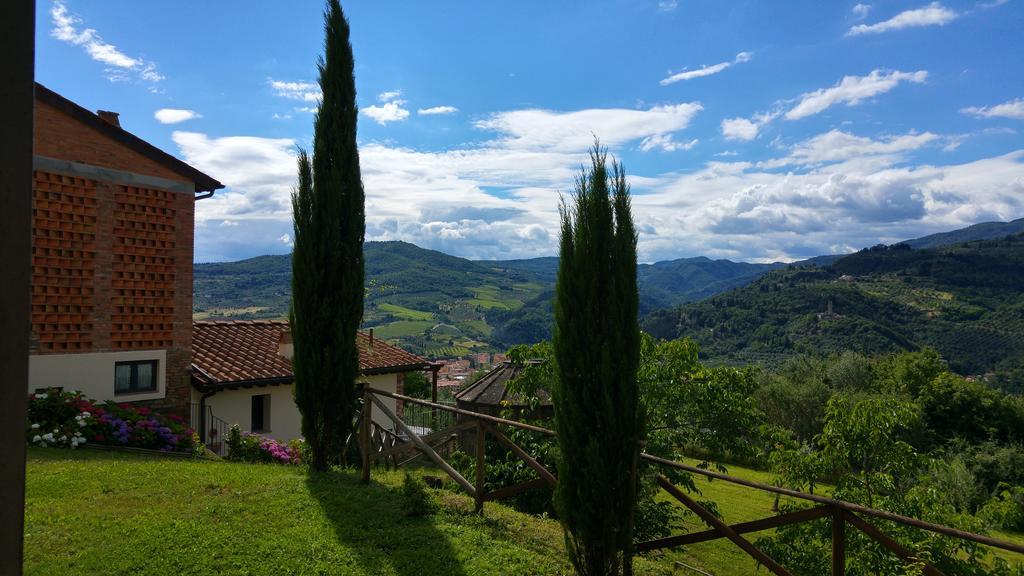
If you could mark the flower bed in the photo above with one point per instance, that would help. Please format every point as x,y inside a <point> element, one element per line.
<point>248,447</point>
<point>68,419</point>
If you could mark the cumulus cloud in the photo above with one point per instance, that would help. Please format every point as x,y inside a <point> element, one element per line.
<point>388,112</point>
<point>498,198</point>
<point>744,129</point>
<point>175,115</point>
<point>567,131</point>
<point>120,66</point>
<point>861,10</point>
<point>934,14</point>
<point>1013,109</point>
<point>437,110</point>
<point>668,5</point>
<point>304,91</point>
<point>389,96</point>
<point>706,70</point>
<point>852,90</point>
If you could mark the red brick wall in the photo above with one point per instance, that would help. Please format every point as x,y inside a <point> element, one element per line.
<point>112,263</point>
<point>58,135</point>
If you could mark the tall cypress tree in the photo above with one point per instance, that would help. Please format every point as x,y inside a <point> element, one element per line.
<point>597,348</point>
<point>327,263</point>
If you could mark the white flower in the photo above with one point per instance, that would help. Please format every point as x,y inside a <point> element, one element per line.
<point>41,396</point>
<point>42,444</point>
<point>86,415</point>
<point>63,438</point>
<point>81,423</point>
<point>35,426</point>
<point>48,436</point>
<point>37,438</point>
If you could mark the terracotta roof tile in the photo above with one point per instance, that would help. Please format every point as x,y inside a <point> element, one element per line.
<point>240,351</point>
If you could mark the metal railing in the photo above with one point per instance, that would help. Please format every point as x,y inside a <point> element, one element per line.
<point>213,431</point>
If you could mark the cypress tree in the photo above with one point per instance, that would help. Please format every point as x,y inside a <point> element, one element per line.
<point>327,262</point>
<point>597,347</point>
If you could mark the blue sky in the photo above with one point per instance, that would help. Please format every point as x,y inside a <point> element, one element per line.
<point>753,131</point>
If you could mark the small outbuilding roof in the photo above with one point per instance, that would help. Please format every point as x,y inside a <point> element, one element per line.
<point>491,389</point>
<point>237,353</point>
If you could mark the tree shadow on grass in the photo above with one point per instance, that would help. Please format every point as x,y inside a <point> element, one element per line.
<point>368,521</point>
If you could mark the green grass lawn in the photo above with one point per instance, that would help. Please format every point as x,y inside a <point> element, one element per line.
<point>108,513</point>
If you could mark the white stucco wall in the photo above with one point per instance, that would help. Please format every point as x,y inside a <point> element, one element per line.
<point>93,373</point>
<point>235,407</point>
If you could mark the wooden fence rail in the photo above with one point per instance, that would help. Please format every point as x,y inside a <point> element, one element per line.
<point>840,512</point>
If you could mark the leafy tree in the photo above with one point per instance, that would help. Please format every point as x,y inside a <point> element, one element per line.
<point>327,264</point>
<point>417,385</point>
<point>597,347</point>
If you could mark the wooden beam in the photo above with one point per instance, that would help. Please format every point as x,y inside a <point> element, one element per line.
<point>847,506</point>
<point>722,527</point>
<point>427,450</point>
<point>887,541</point>
<point>838,543</point>
<point>544,474</point>
<point>471,414</point>
<point>514,489</point>
<point>742,528</point>
<point>429,439</point>
<point>365,425</point>
<point>481,465</point>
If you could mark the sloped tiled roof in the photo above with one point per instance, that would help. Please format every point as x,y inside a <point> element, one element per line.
<point>247,351</point>
<point>490,389</point>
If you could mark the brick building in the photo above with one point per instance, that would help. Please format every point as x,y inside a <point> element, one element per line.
<point>112,242</point>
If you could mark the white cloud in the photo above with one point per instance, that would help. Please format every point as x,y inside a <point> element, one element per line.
<point>305,91</point>
<point>852,90</point>
<point>437,110</point>
<point>388,112</point>
<point>66,29</point>
<point>666,143</point>
<point>706,70</point>
<point>389,96</point>
<point>285,239</point>
<point>175,115</point>
<point>861,10</point>
<point>277,116</point>
<point>1010,109</point>
<point>573,131</point>
<point>668,5</point>
<point>934,14</point>
<point>744,129</point>
<point>498,197</point>
<point>839,146</point>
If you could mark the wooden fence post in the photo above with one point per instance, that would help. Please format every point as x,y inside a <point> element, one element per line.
<point>481,465</point>
<point>366,423</point>
<point>838,543</point>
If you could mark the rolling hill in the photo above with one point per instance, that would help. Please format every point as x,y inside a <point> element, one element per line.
<point>441,305</point>
<point>965,300</point>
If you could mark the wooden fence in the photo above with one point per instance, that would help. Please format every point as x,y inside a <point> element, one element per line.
<point>381,446</point>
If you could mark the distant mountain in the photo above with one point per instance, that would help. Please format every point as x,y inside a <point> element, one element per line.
<point>965,300</point>
<point>983,231</point>
<point>442,305</point>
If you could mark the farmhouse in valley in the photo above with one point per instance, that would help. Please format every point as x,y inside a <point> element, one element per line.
<point>112,240</point>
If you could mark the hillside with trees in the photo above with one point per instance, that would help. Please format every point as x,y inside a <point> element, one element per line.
<point>966,301</point>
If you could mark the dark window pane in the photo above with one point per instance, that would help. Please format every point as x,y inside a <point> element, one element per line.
<point>123,377</point>
<point>146,376</point>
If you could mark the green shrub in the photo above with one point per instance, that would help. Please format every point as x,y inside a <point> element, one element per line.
<point>416,501</point>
